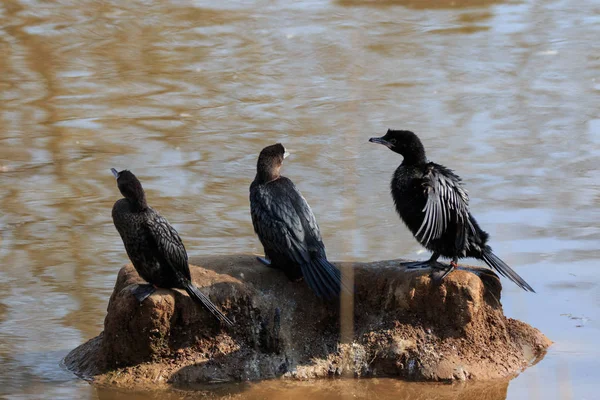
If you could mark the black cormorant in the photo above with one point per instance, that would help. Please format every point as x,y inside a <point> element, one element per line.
<point>287,228</point>
<point>153,245</point>
<point>434,205</point>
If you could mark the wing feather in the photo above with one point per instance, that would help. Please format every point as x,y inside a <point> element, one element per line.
<point>169,246</point>
<point>447,202</point>
<point>284,221</point>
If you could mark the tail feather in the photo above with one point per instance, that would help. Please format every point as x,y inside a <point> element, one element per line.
<point>335,275</point>
<point>201,298</point>
<point>331,278</point>
<point>323,278</point>
<point>313,280</point>
<point>495,262</point>
<point>338,273</point>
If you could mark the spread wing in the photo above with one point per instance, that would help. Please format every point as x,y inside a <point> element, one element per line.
<point>284,221</point>
<point>447,203</point>
<point>169,247</point>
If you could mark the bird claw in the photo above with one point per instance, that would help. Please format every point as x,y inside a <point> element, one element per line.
<point>447,272</point>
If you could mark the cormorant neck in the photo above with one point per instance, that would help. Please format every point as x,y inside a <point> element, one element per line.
<point>135,195</point>
<point>266,176</point>
<point>415,155</point>
<point>138,203</point>
<point>267,171</point>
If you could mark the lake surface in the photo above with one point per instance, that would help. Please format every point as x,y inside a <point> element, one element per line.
<point>186,93</point>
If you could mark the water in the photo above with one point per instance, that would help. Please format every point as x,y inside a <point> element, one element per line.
<point>186,93</point>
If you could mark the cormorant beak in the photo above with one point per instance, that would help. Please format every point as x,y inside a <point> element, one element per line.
<point>381,141</point>
<point>285,154</point>
<point>115,173</point>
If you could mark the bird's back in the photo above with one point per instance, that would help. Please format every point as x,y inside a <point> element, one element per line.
<point>283,220</point>
<point>167,246</point>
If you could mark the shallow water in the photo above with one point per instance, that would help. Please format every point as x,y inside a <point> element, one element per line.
<point>186,93</point>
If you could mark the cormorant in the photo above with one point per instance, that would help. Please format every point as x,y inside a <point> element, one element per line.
<point>153,245</point>
<point>434,205</point>
<point>287,228</point>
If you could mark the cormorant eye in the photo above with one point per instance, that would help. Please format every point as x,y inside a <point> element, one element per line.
<point>393,141</point>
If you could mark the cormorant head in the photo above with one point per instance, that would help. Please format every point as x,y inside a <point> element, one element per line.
<point>270,161</point>
<point>405,143</point>
<point>130,187</point>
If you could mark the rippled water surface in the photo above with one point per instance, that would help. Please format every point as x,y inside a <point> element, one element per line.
<point>185,93</point>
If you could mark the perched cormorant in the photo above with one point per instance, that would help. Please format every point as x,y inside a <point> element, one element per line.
<point>434,205</point>
<point>287,228</point>
<point>153,245</point>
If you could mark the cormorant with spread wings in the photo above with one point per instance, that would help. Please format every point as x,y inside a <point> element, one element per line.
<point>434,205</point>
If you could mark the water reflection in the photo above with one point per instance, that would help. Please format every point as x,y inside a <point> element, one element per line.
<point>333,389</point>
<point>187,93</point>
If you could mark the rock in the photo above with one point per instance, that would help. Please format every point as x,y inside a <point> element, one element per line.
<point>405,325</point>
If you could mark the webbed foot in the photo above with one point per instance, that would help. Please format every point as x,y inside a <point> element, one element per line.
<point>143,291</point>
<point>424,264</point>
<point>443,271</point>
<point>265,261</point>
<point>415,264</point>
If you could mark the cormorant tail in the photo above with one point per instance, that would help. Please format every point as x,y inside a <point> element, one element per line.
<point>335,274</point>
<point>495,262</point>
<point>313,280</point>
<point>201,298</point>
<point>323,278</point>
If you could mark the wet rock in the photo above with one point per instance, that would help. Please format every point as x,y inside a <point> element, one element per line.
<point>405,325</point>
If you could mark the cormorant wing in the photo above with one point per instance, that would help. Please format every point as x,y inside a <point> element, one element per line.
<point>170,250</point>
<point>447,202</point>
<point>313,238</point>
<point>169,247</point>
<point>284,221</point>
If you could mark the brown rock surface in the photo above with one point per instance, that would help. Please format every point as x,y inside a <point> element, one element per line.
<point>405,326</point>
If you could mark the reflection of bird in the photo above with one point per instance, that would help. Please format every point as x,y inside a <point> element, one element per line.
<point>287,227</point>
<point>153,245</point>
<point>432,202</point>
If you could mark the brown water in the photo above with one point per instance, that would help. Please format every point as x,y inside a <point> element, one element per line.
<point>185,93</point>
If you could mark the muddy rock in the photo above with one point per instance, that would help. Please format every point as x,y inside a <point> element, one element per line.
<point>404,325</point>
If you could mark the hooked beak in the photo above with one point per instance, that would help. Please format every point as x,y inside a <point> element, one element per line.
<point>381,141</point>
<point>115,173</point>
<point>285,154</point>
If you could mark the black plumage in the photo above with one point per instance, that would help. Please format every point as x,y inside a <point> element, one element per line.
<point>287,228</point>
<point>434,205</point>
<point>153,245</point>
